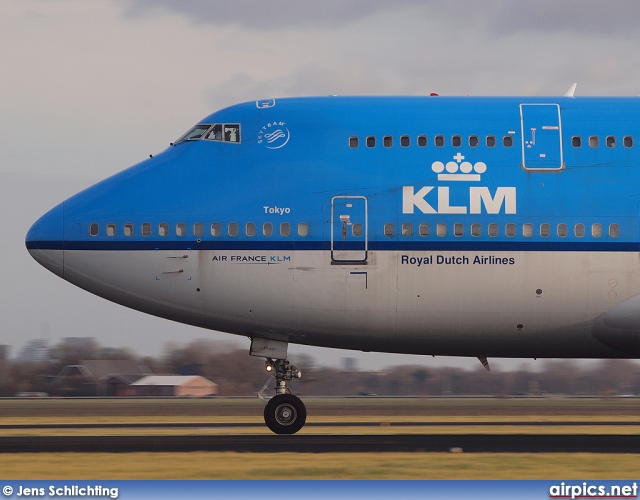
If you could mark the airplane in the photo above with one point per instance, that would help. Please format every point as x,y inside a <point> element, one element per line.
<point>429,225</point>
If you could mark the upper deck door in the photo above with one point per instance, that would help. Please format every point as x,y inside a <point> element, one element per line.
<point>541,136</point>
<point>349,229</point>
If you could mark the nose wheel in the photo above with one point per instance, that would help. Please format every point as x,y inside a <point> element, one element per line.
<point>285,414</point>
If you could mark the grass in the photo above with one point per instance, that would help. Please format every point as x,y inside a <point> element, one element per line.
<point>227,465</point>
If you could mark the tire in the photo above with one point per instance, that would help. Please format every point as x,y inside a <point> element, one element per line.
<point>285,414</point>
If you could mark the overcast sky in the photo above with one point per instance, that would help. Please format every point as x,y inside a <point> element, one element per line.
<point>89,88</point>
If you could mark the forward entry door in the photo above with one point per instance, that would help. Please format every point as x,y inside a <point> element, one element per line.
<point>349,229</point>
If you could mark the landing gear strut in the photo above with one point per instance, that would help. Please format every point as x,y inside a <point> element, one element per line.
<point>284,413</point>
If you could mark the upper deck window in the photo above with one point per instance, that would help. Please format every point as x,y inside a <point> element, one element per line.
<point>194,133</point>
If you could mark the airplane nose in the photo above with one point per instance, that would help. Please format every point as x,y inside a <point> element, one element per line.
<point>45,240</point>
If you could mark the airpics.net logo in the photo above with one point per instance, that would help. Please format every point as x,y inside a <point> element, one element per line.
<point>274,135</point>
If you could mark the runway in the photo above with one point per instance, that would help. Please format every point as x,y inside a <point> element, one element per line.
<point>309,443</point>
<point>239,425</point>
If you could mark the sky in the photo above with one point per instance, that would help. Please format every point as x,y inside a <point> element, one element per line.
<point>90,88</point>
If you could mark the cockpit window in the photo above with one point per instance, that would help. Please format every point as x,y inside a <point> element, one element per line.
<point>194,133</point>
<point>224,132</point>
<point>215,134</point>
<point>232,133</point>
<point>221,132</point>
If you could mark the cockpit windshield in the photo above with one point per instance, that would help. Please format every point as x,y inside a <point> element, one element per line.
<point>222,132</point>
<point>194,133</point>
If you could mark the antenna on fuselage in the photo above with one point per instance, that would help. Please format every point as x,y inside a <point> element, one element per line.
<point>571,91</point>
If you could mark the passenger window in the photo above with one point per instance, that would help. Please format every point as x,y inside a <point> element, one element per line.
<point>476,229</point>
<point>578,230</point>
<point>93,229</point>
<point>593,141</point>
<point>405,142</point>
<point>216,230</point>
<point>474,141</point>
<point>596,230</point>
<point>576,141</point>
<point>611,141</point>
<point>510,230</point>
<point>527,230</point>
<point>545,230</point>
<point>232,229</point>
<point>422,141</point>
<point>407,230</point>
<point>198,229</point>
<point>285,229</point>
<point>441,229</point>
<point>563,230</point>
<point>423,229</point>
<point>128,229</point>
<point>303,229</point>
<point>146,229</point>
<point>356,229</point>
<point>232,132</point>
<point>181,229</point>
<point>387,141</point>
<point>627,141</point>
<point>250,229</point>
<point>458,229</point>
<point>111,229</point>
<point>614,230</point>
<point>267,229</point>
<point>438,140</point>
<point>507,141</point>
<point>388,229</point>
<point>491,141</point>
<point>493,229</point>
<point>456,141</point>
<point>163,229</point>
<point>371,142</point>
<point>353,142</point>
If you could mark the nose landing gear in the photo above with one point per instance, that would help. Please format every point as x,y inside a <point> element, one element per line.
<point>284,413</point>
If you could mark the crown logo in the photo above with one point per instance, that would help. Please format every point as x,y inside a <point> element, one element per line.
<point>459,170</point>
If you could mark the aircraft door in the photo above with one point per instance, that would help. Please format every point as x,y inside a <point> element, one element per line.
<point>349,229</point>
<point>541,136</point>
